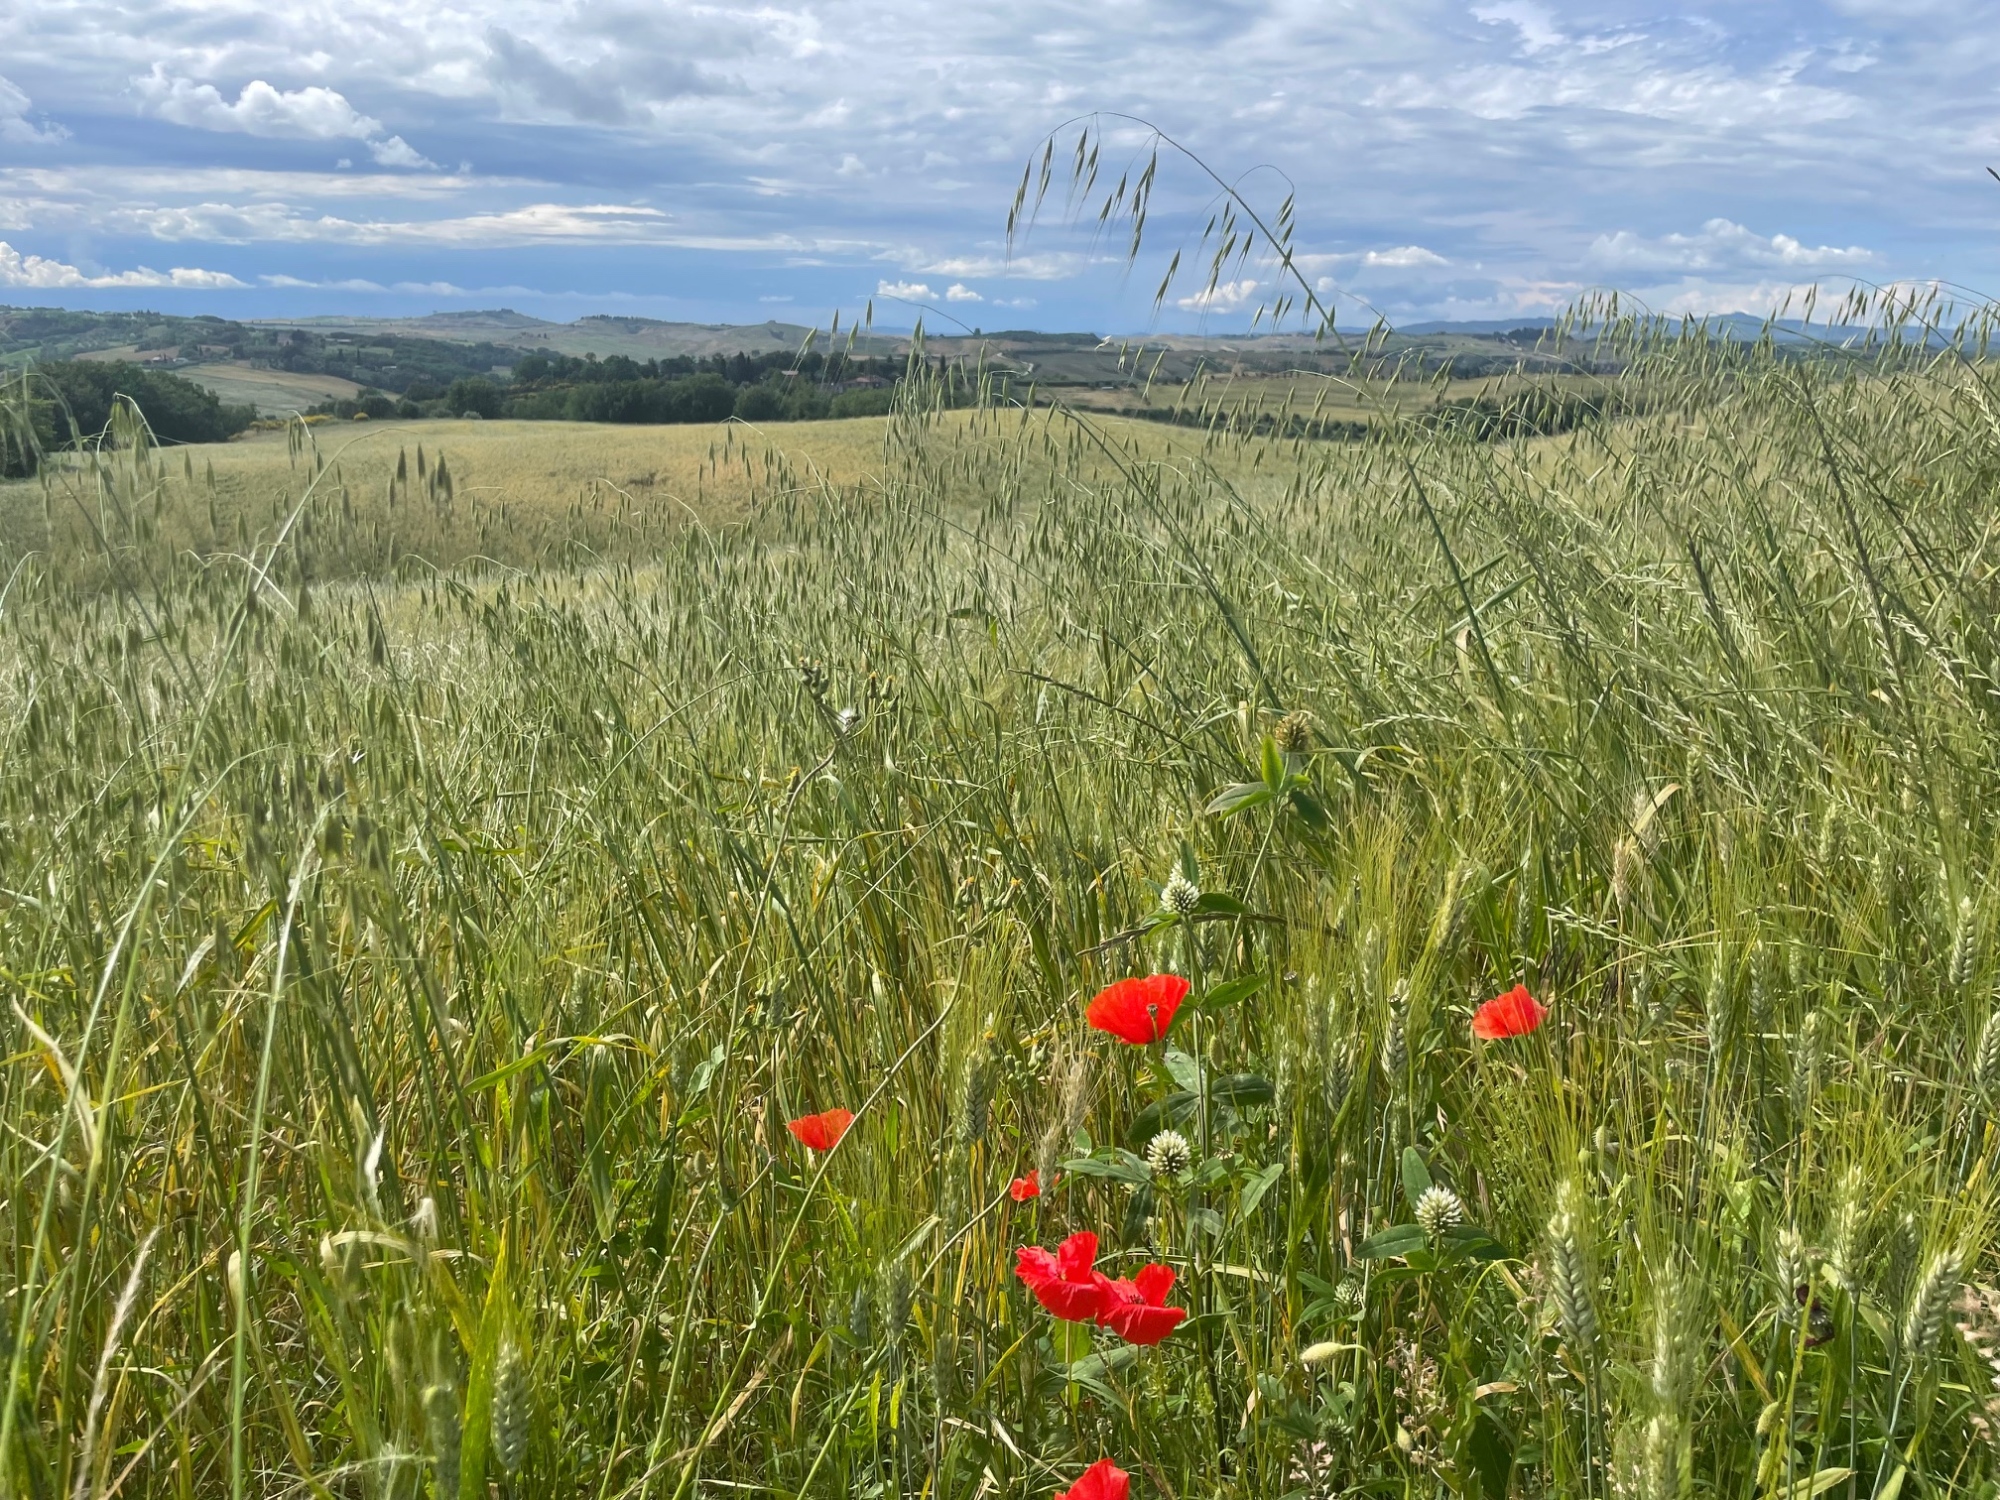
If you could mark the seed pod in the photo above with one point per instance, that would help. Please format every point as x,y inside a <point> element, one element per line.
<point>1569,1271</point>
<point>897,1295</point>
<point>1843,1250</point>
<point>975,1100</point>
<point>1807,1044</point>
<point>1793,1269</point>
<point>1936,1291</point>
<point>441,1422</point>
<point>1395,1037</point>
<point>1986,1058</point>
<point>510,1417</point>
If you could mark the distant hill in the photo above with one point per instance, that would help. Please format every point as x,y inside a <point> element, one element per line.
<point>600,334</point>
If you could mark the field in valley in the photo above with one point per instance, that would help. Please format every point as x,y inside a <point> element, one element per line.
<point>572,965</point>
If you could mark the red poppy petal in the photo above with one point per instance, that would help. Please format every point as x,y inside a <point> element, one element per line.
<point>1076,1255</point>
<point>1138,1011</point>
<point>1021,1189</point>
<point>1103,1480</point>
<point>821,1132</point>
<point>1035,1266</point>
<point>1515,1013</point>
<point>1116,1294</point>
<point>1072,1301</point>
<point>1153,1283</point>
<point>1137,1323</point>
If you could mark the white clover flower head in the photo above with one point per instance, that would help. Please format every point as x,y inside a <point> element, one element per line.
<point>1439,1209</point>
<point>1180,894</point>
<point>1169,1154</point>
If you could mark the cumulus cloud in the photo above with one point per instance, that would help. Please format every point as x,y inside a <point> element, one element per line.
<point>18,270</point>
<point>1228,296</point>
<point>1403,257</point>
<point>1720,244</point>
<point>906,291</point>
<point>15,127</point>
<point>308,114</point>
<point>959,292</point>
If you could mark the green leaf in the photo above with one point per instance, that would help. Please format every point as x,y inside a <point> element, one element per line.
<point>1818,1484</point>
<point>1207,1220</point>
<point>1492,1457</point>
<point>1231,992</point>
<point>1245,1089</point>
<point>478,1423</point>
<point>1258,1186</point>
<point>1220,904</point>
<point>1399,1240</point>
<point>1123,1167</point>
<point>1070,1342</point>
<point>1172,1110</point>
<point>1416,1176</point>
<point>1271,766</point>
<point>1471,1242</point>
<point>1185,1070</point>
<point>1234,799</point>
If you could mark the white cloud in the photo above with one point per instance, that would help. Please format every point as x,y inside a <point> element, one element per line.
<point>1536,26</point>
<point>1229,296</point>
<point>959,292</point>
<point>1046,266</point>
<point>906,291</point>
<point>308,114</point>
<point>397,152</point>
<point>1720,244</point>
<point>15,128</point>
<point>36,271</point>
<point>1403,257</point>
<point>851,166</point>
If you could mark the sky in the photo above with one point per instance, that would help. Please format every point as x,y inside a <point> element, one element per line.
<point>718,162</point>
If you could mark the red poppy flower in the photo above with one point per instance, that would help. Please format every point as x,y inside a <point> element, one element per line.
<point>1021,1189</point>
<point>1137,1310</point>
<point>822,1132</point>
<point>1064,1283</point>
<point>1103,1480</point>
<point>1138,1010</point>
<point>1515,1013</point>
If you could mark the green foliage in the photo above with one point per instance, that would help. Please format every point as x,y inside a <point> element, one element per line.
<point>71,403</point>
<point>502,921</point>
<point>474,395</point>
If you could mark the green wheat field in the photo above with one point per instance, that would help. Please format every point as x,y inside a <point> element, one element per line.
<point>411,971</point>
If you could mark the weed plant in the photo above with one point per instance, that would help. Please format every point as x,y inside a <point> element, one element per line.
<point>410,975</point>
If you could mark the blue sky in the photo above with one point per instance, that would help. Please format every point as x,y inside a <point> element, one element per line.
<point>780,159</point>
